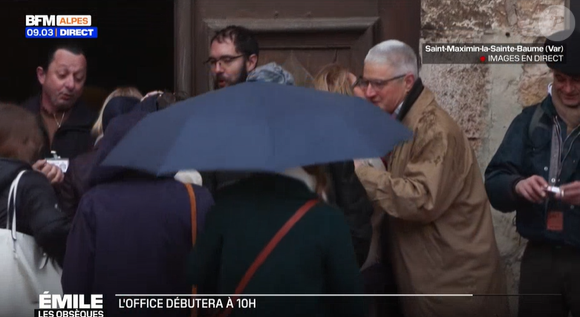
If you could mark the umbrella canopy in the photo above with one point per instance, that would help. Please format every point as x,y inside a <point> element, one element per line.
<point>257,127</point>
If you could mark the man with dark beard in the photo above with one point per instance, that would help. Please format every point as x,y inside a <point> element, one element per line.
<point>233,54</point>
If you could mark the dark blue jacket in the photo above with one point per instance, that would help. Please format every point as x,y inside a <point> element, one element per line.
<point>131,233</point>
<point>522,155</point>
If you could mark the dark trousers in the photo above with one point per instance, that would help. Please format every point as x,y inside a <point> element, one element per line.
<point>378,279</point>
<point>550,276</point>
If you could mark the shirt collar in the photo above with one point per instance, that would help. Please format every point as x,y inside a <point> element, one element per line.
<point>398,109</point>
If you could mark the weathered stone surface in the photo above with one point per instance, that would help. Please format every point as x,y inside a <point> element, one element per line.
<point>538,18</point>
<point>462,90</point>
<point>533,85</point>
<point>452,15</point>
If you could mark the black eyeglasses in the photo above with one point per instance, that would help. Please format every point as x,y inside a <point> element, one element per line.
<point>223,61</point>
<point>376,84</point>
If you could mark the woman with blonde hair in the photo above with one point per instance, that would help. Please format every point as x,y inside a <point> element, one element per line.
<point>74,185</point>
<point>367,226</point>
<point>97,130</point>
<point>335,78</point>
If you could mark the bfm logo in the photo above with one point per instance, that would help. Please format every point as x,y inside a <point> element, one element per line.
<point>58,20</point>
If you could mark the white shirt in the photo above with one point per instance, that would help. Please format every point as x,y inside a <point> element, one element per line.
<point>398,109</point>
<point>300,174</point>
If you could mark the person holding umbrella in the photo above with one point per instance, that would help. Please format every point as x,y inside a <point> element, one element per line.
<point>315,257</point>
<point>271,233</point>
<point>433,194</point>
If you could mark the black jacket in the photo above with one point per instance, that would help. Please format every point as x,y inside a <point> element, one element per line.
<point>37,212</point>
<point>524,152</point>
<point>348,194</point>
<point>74,137</point>
<point>216,181</point>
<point>75,182</point>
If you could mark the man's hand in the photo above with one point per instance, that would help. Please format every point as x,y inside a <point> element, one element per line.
<point>358,163</point>
<point>570,193</point>
<point>52,172</point>
<point>532,188</point>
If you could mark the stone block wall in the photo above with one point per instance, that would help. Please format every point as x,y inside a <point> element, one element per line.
<point>485,98</point>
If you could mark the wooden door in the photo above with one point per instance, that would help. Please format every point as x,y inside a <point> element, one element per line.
<point>301,35</point>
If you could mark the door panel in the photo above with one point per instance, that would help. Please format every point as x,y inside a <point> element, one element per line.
<point>301,35</point>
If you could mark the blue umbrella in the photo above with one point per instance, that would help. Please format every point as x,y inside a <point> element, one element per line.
<point>257,127</point>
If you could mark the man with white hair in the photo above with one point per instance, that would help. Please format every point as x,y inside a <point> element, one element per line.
<point>432,196</point>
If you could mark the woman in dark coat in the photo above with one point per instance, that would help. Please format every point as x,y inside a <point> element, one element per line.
<point>74,184</point>
<point>37,210</point>
<point>315,257</point>
<point>132,232</point>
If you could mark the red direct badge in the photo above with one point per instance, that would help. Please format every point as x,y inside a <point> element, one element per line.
<point>555,221</point>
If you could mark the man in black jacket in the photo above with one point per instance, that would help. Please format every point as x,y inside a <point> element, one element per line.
<point>66,122</point>
<point>535,172</point>
<point>233,55</point>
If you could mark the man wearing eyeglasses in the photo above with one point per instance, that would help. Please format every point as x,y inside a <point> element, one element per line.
<point>233,54</point>
<point>433,197</point>
<point>232,58</point>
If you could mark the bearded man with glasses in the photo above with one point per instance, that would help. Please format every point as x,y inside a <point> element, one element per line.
<point>233,54</point>
<point>432,197</point>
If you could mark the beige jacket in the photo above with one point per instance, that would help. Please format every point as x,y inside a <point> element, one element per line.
<point>440,219</point>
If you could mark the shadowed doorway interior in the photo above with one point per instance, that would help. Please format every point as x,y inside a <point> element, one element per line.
<point>134,46</point>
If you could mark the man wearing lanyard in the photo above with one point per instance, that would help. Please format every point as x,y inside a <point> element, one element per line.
<point>65,121</point>
<point>535,172</point>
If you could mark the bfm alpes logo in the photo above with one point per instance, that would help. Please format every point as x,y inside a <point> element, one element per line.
<point>63,26</point>
<point>69,305</point>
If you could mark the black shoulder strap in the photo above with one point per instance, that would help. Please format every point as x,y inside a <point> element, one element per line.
<point>538,113</point>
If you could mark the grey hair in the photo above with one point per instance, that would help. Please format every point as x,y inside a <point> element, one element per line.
<point>396,54</point>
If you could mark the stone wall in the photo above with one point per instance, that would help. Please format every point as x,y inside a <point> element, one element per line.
<point>485,98</point>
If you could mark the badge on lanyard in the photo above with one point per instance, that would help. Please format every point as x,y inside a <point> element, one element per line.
<point>58,161</point>
<point>555,221</point>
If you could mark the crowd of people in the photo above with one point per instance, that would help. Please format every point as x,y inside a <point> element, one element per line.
<point>416,221</point>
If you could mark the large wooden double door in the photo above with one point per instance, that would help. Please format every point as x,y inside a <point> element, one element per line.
<point>301,35</point>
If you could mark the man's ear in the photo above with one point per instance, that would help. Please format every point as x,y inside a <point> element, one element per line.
<point>252,62</point>
<point>40,74</point>
<point>409,82</point>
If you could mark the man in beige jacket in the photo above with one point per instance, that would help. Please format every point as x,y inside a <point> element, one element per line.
<point>441,232</point>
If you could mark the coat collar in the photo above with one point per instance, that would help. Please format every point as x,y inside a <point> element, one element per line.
<point>425,98</point>
<point>300,174</point>
<point>269,185</point>
<point>412,96</point>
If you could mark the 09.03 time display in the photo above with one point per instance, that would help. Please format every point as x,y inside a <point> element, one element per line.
<point>40,32</point>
